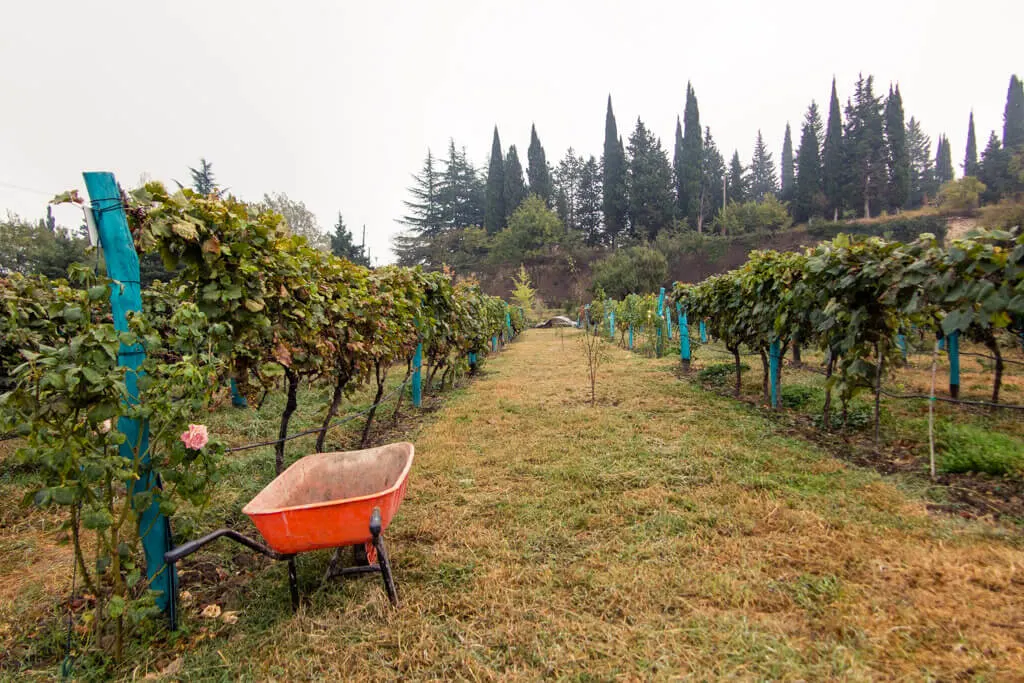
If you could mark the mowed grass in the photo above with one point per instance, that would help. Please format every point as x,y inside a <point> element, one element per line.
<point>665,532</point>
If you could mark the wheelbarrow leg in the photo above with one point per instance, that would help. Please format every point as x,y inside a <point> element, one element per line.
<point>293,583</point>
<point>382,557</point>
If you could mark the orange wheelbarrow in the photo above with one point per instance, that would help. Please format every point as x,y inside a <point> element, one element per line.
<point>326,500</point>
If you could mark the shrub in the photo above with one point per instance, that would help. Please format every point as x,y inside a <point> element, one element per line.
<point>532,230</point>
<point>798,395</point>
<point>769,215</point>
<point>970,448</point>
<point>718,374</point>
<point>1005,215</point>
<point>636,270</point>
<point>960,196</point>
<point>899,228</point>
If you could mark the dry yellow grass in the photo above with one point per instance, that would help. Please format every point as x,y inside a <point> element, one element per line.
<point>666,532</point>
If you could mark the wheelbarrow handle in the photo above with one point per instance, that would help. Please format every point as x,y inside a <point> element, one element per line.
<point>186,549</point>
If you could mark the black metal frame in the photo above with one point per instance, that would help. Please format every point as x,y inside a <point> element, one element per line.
<point>382,565</point>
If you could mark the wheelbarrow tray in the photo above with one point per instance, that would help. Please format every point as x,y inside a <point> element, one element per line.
<point>326,500</point>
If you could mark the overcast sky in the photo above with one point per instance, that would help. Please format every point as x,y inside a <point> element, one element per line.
<point>336,103</point>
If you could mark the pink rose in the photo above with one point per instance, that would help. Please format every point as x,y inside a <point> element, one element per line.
<point>105,426</point>
<point>196,437</point>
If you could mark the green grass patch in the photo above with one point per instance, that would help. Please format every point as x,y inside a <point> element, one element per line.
<point>972,448</point>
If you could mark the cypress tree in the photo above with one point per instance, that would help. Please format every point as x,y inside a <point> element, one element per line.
<point>919,149</point>
<point>677,171</point>
<point>808,194</point>
<point>763,179</point>
<point>515,186</point>
<point>736,190</point>
<point>614,201</point>
<point>693,156</point>
<point>832,156</point>
<point>943,161</point>
<point>788,173</point>
<point>494,206</point>
<point>899,159</point>
<point>537,172</point>
<point>971,154</point>
<point>1013,115</point>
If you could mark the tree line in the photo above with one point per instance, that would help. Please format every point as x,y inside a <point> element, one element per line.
<point>860,160</point>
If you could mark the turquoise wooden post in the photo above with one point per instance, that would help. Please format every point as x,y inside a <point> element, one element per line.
<point>472,361</point>
<point>942,343</point>
<point>703,333</point>
<point>237,400</point>
<point>417,376</point>
<point>901,342</point>
<point>494,343</point>
<point>661,313</point>
<point>684,338</point>
<point>125,296</point>
<point>668,322</point>
<point>953,348</point>
<point>631,336</point>
<point>611,325</point>
<point>774,361</point>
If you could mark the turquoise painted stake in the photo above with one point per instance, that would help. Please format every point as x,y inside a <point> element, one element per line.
<point>668,322</point>
<point>126,295</point>
<point>703,333</point>
<point>417,376</point>
<point>472,359</point>
<point>611,326</point>
<point>494,344</point>
<point>774,361</point>
<point>661,313</point>
<point>953,348</point>
<point>684,337</point>
<point>508,324</point>
<point>237,400</point>
<point>901,342</point>
<point>942,343</point>
<point>631,336</point>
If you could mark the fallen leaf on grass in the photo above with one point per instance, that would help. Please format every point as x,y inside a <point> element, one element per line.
<point>210,612</point>
<point>229,617</point>
<point>169,670</point>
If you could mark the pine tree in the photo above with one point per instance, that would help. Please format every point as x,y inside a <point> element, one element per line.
<point>865,150</point>
<point>992,169</point>
<point>764,181</point>
<point>461,195</point>
<point>808,196</point>
<point>343,245</point>
<point>515,186</point>
<point>712,173</point>
<point>919,152</point>
<point>971,154</point>
<point>898,158</point>
<point>692,157</point>
<point>788,172</point>
<point>650,184</point>
<point>832,156</point>
<point>614,203</point>
<point>425,216</point>
<point>538,172</point>
<point>494,208</point>
<point>203,181</point>
<point>736,190</point>
<point>589,211</point>
<point>1013,116</point>
<point>566,183</point>
<point>943,161</point>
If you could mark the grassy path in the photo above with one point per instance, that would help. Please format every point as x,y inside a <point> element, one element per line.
<point>664,532</point>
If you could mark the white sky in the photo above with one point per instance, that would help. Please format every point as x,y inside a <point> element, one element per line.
<point>336,103</point>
